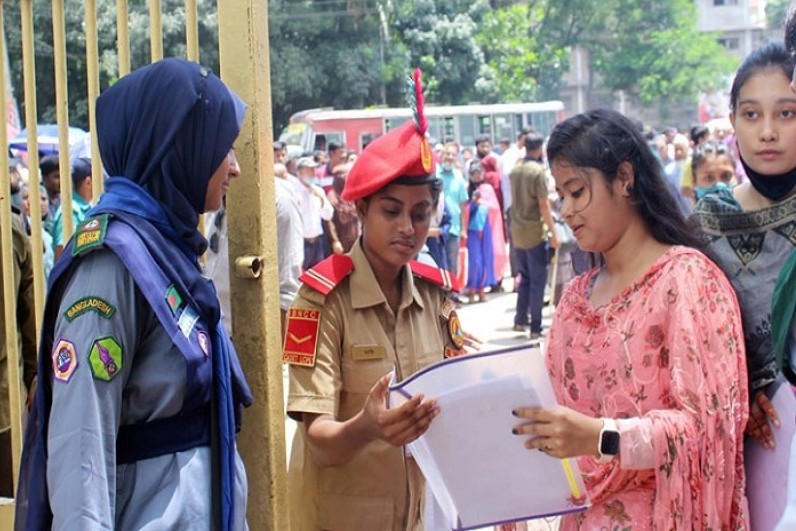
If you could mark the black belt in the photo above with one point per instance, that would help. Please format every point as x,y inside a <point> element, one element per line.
<point>181,432</point>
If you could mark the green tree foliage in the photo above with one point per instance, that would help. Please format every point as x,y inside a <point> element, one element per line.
<point>357,53</point>
<point>336,53</point>
<point>173,18</point>
<point>662,56</point>
<point>777,13</point>
<point>441,39</point>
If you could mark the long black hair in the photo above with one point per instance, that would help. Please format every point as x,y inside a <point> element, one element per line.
<point>603,139</point>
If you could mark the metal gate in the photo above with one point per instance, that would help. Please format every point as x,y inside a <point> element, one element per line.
<point>244,60</point>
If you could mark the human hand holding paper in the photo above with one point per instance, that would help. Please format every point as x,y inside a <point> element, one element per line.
<point>401,425</point>
<point>560,432</point>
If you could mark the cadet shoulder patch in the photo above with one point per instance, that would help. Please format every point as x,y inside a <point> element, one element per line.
<point>435,275</point>
<point>327,274</point>
<point>90,234</point>
<point>105,358</point>
<point>90,304</point>
<point>64,358</point>
<point>301,337</point>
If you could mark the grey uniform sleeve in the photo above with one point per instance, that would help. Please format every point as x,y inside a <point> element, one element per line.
<point>96,333</point>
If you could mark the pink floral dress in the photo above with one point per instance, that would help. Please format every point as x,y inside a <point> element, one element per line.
<point>665,358</point>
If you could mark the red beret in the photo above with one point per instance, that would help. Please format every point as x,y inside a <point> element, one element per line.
<point>403,153</point>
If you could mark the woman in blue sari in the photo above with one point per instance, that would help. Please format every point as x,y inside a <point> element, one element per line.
<point>480,246</point>
<point>140,390</point>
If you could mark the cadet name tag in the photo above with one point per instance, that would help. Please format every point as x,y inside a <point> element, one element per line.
<point>301,337</point>
<point>88,304</point>
<point>368,352</point>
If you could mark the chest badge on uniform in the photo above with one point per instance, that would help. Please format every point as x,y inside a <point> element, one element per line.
<point>64,360</point>
<point>455,330</point>
<point>368,352</point>
<point>173,299</point>
<point>105,359</point>
<point>301,337</point>
<point>187,321</point>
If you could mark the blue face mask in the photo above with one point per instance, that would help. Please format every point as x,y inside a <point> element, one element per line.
<point>702,191</point>
<point>446,166</point>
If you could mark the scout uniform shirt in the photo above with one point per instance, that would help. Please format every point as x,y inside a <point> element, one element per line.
<point>357,339</point>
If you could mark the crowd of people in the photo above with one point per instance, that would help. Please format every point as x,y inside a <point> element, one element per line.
<point>664,350</point>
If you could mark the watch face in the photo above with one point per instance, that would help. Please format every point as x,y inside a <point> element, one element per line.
<point>609,443</point>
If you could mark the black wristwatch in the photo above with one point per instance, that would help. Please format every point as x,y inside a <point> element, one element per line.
<point>608,446</point>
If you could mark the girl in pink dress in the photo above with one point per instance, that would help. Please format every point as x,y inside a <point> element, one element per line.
<point>646,354</point>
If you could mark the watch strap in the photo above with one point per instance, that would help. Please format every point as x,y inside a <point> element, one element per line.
<point>609,425</point>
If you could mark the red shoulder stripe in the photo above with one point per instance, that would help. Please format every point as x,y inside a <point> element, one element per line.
<point>435,275</point>
<point>325,275</point>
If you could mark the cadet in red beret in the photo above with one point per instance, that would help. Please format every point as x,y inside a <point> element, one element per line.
<point>357,318</point>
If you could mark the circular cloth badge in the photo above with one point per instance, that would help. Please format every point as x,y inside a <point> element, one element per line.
<point>455,330</point>
<point>64,360</point>
<point>105,359</point>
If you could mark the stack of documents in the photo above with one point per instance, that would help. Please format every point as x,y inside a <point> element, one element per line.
<point>480,473</point>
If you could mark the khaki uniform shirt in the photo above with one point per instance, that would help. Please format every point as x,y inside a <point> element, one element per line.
<point>360,340</point>
<point>528,185</point>
<point>22,268</point>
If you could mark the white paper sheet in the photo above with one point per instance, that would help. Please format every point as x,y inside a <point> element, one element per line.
<point>479,471</point>
<point>767,471</point>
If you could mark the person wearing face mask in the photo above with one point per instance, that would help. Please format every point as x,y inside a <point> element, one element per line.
<point>749,235</point>
<point>713,168</point>
<point>315,210</point>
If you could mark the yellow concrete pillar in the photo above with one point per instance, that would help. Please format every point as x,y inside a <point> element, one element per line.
<point>243,52</point>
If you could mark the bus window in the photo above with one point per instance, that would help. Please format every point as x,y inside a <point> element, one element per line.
<point>324,139</point>
<point>542,121</point>
<point>504,127</point>
<point>297,135</point>
<point>467,130</point>
<point>434,127</point>
<point>518,126</point>
<point>365,139</point>
<point>485,126</point>
<point>392,123</point>
<point>449,130</point>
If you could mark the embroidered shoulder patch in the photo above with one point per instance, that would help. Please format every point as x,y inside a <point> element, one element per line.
<point>455,330</point>
<point>301,337</point>
<point>64,360</point>
<point>105,358</point>
<point>90,234</point>
<point>89,304</point>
